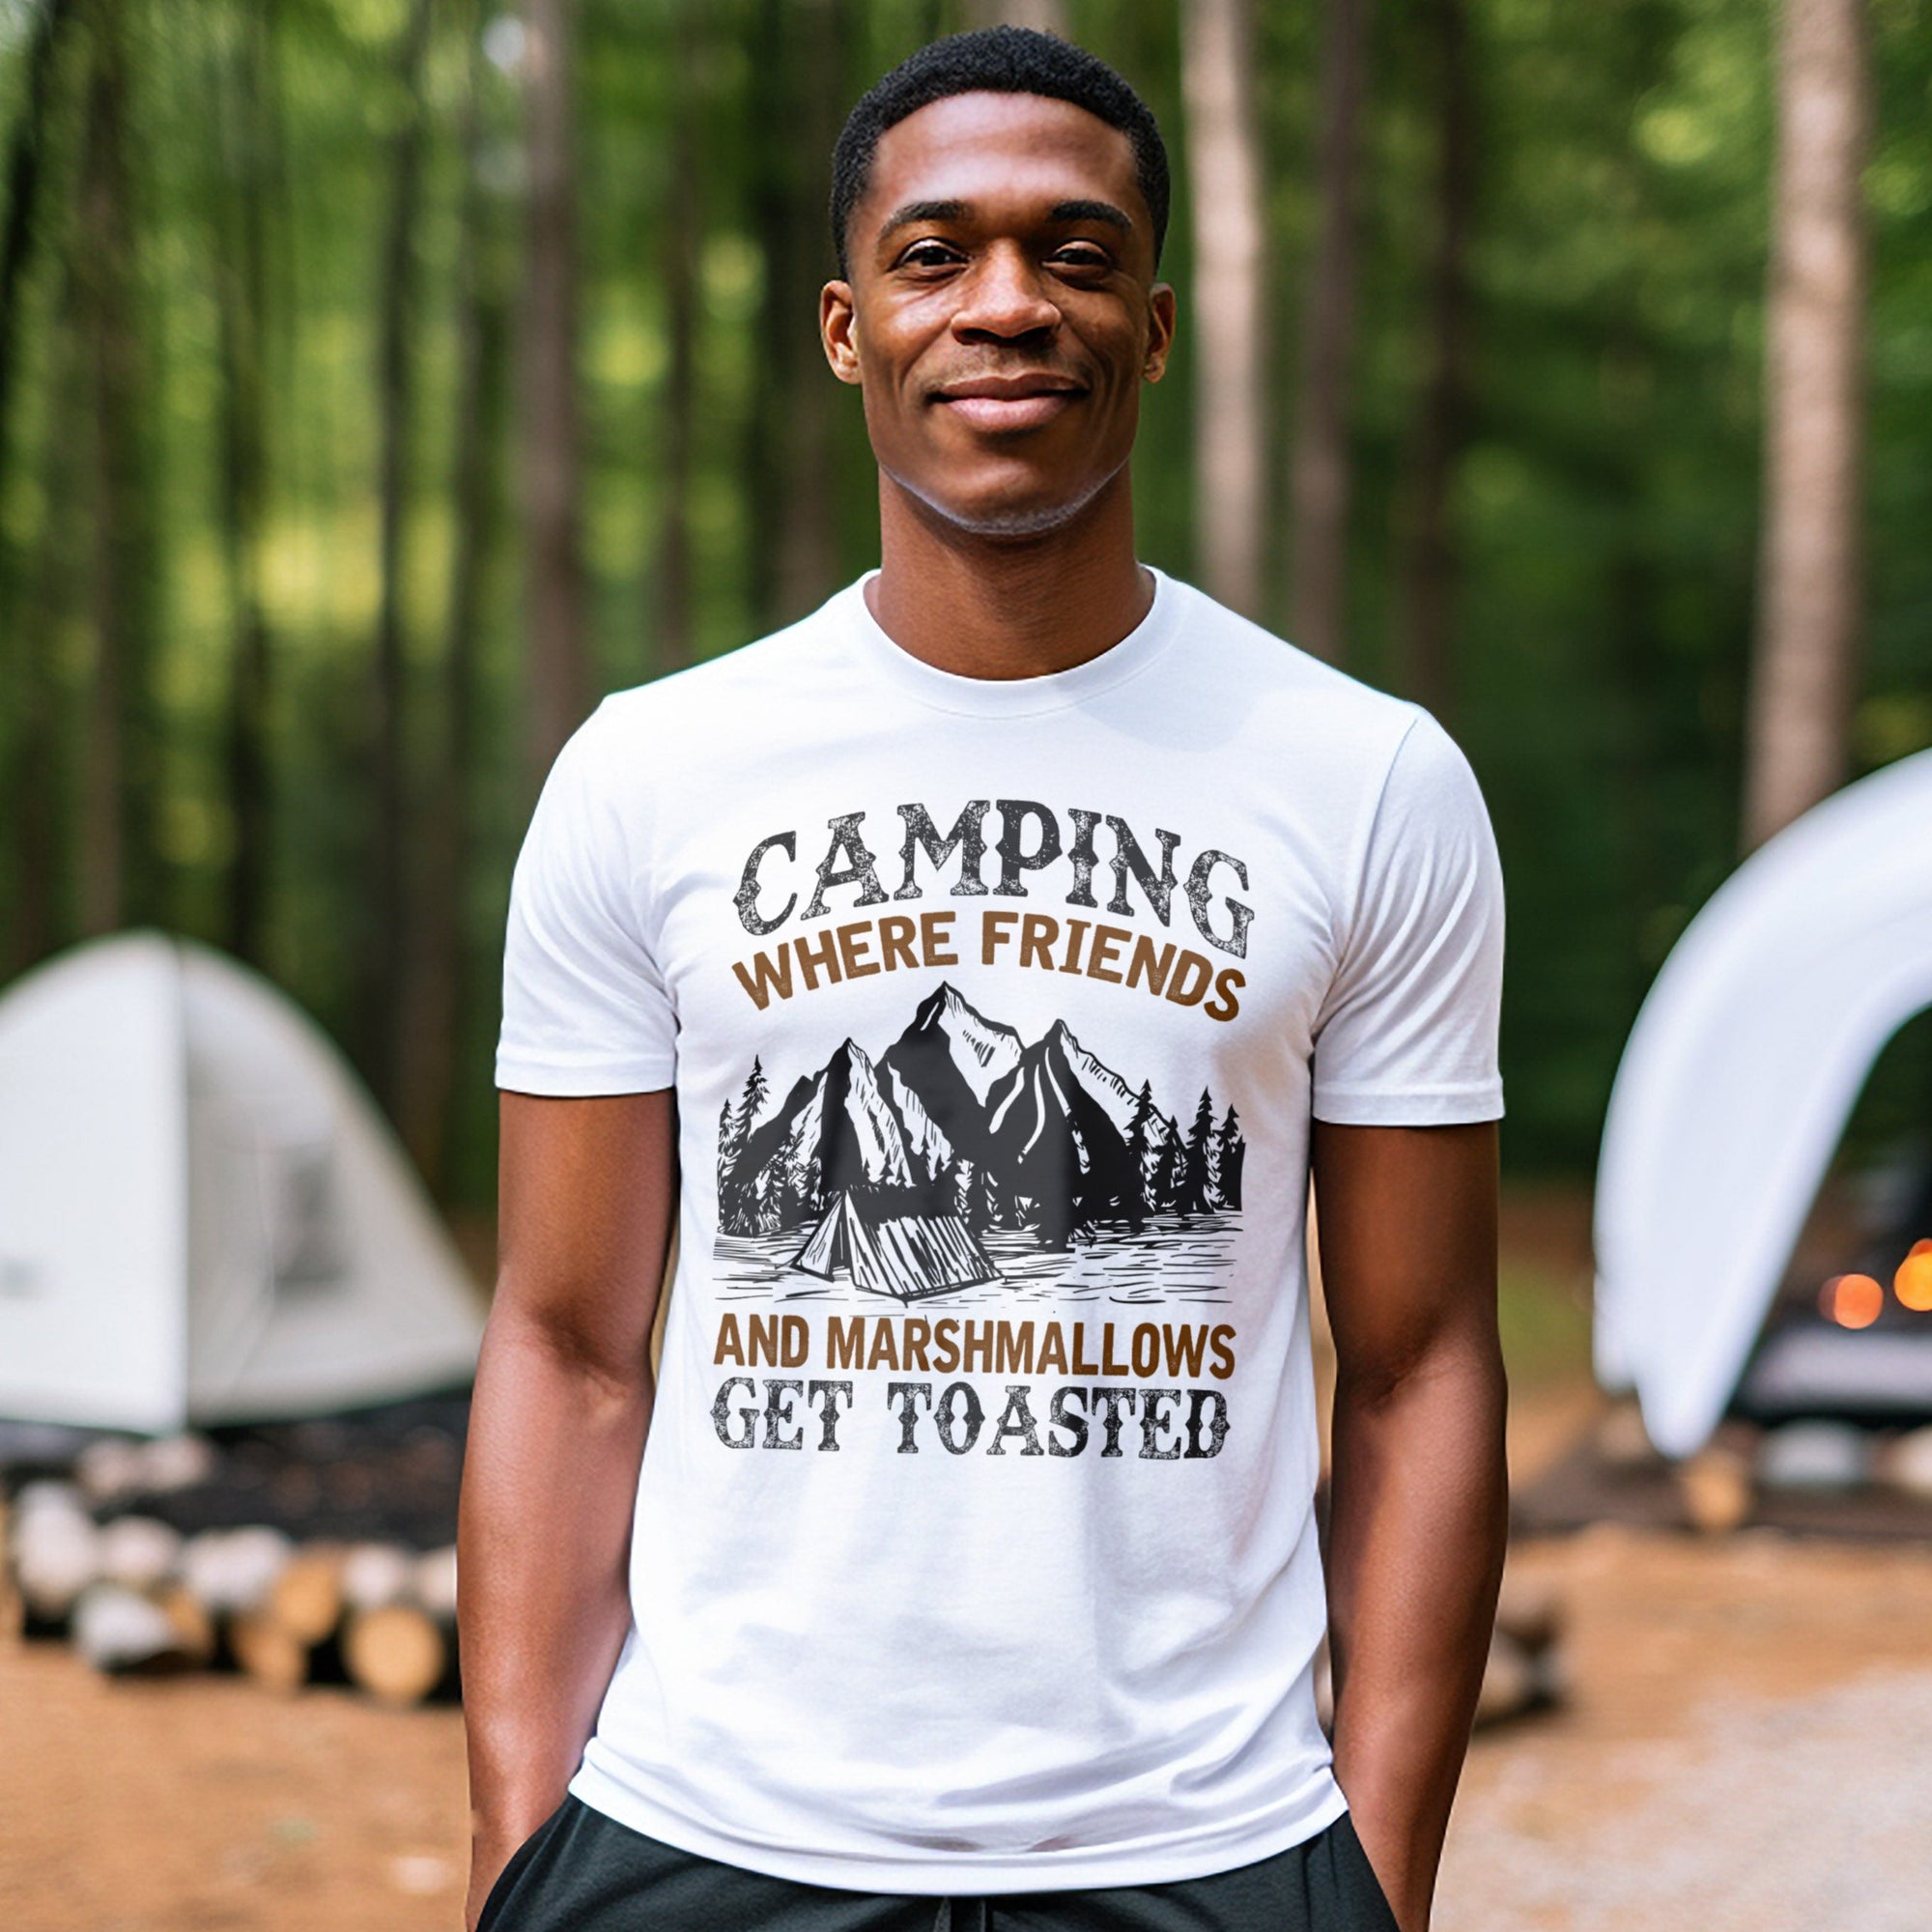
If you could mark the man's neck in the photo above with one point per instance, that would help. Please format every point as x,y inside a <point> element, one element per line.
<point>1008,606</point>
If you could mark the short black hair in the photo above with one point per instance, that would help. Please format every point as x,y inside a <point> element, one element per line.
<point>996,60</point>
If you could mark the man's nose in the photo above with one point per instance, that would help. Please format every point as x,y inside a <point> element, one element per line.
<point>1004,297</point>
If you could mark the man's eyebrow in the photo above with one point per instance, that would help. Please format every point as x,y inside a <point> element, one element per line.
<point>910,211</point>
<point>1094,211</point>
<point>962,211</point>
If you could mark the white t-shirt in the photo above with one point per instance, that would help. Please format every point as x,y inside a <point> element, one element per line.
<point>975,1548</point>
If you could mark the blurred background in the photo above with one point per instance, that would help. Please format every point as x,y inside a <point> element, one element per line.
<point>384,380</point>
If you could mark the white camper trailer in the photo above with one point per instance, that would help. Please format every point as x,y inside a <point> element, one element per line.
<point>1733,1096</point>
<point>203,1219</point>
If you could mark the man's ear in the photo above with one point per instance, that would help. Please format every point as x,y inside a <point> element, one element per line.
<point>838,330</point>
<point>1160,331</point>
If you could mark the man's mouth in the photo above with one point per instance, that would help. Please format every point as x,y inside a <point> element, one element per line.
<point>1010,402</point>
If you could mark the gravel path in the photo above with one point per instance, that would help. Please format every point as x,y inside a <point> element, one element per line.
<point>1748,1749</point>
<point>1793,1815</point>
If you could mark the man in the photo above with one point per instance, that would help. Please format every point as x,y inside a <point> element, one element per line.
<point>981,966</point>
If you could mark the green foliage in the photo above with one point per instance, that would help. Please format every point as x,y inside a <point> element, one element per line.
<point>1605,507</point>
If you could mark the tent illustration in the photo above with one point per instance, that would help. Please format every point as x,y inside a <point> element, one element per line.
<point>203,1219</point>
<point>1734,1092</point>
<point>909,1255</point>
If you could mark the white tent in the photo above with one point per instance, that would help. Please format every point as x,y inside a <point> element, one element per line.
<point>909,1254</point>
<point>1737,1083</point>
<point>201,1217</point>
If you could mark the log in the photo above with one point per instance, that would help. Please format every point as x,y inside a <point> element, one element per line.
<point>175,1463</point>
<point>268,1652</point>
<point>307,1598</point>
<point>109,1468</point>
<point>374,1575</point>
<point>231,1571</point>
<point>1716,1485</point>
<point>400,1654</point>
<point>433,1583</point>
<point>139,1552</point>
<point>113,1468</point>
<point>56,1556</point>
<point>193,1626</point>
<point>120,1630</point>
<point>1906,1464</point>
<point>49,1493</point>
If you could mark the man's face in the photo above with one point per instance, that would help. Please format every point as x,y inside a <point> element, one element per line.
<point>1002,312</point>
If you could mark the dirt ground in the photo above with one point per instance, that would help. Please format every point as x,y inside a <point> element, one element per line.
<point>1742,1746</point>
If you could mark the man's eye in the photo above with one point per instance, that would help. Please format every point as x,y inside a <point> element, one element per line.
<point>1083,258</point>
<point>926,255</point>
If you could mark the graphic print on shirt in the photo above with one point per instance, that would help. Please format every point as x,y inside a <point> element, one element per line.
<point>966,1162</point>
<point>907,1217</point>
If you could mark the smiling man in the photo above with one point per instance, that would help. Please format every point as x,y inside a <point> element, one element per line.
<point>976,973</point>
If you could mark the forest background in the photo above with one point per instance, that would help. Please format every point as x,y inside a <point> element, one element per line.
<point>382,381</point>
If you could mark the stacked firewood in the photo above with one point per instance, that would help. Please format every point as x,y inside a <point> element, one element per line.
<point>303,1555</point>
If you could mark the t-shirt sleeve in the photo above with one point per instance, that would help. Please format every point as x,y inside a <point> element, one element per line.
<point>1407,1035</point>
<point>586,1010</point>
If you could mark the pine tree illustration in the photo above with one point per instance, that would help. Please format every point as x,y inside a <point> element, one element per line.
<point>1192,1198</point>
<point>1165,1186</point>
<point>1144,1114</point>
<point>1232,1147</point>
<point>735,1210</point>
<point>751,1101</point>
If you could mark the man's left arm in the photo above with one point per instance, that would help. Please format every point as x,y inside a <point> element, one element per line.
<point>1406,1228</point>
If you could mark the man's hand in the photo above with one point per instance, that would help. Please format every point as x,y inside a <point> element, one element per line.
<point>563,1403</point>
<point>1419,1497</point>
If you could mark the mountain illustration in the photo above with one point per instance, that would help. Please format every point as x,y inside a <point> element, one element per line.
<point>1054,1133</point>
<point>840,1128</point>
<point>952,1058</point>
<point>960,1121</point>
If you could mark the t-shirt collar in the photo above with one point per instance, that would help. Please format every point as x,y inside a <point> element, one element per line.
<point>1010,697</point>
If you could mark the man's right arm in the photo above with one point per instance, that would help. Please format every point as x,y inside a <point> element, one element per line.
<point>562,1402</point>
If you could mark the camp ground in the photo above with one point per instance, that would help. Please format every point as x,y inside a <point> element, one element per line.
<point>203,1219</point>
<point>906,1252</point>
<point>235,1342</point>
<point>1803,1360</point>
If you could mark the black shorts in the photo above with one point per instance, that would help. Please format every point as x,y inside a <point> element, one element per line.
<point>580,1872</point>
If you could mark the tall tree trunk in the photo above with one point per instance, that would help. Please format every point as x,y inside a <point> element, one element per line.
<point>434,1004</point>
<point>26,158</point>
<point>1810,589</point>
<point>797,108</point>
<point>116,804</point>
<point>1442,416</point>
<point>681,228</point>
<point>240,90</point>
<point>1224,171</point>
<point>560,683</point>
<point>1319,468</point>
<point>29,756</point>
<point>391,841</point>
